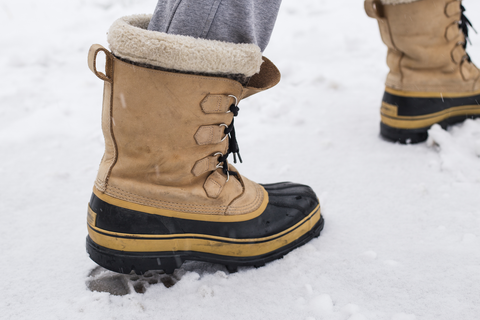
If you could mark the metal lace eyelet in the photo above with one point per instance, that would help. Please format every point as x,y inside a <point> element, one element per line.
<point>224,125</point>
<point>236,100</point>
<point>219,165</point>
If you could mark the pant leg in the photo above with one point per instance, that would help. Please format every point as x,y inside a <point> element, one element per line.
<point>237,21</point>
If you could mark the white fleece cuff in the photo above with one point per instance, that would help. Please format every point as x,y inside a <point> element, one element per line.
<point>397,1</point>
<point>129,39</point>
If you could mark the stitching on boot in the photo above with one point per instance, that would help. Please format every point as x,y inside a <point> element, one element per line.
<point>235,77</point>
<point>220,104</point>
<point>191,208</point>
<point>131,197</point>
<point>114,142</point>
<point>183,74</point>
<point>110,162</point>
<point>127,194</point>
<point>217,188</point>
<point>99,185</point>
<point>202,166</point>
<point>219,99</point>
<point>248,207</point>
<point>212,186</point>
<point>204,135</point>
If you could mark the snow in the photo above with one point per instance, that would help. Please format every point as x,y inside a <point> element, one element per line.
<point>401,239</point>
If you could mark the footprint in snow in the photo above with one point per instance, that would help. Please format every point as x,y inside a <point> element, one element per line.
<point>103,280</point>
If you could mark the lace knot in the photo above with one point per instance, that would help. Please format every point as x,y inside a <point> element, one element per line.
<point>464,25</point>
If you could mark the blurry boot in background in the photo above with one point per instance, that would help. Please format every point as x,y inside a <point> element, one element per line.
<point>165,192</point>
<point>432,79</point>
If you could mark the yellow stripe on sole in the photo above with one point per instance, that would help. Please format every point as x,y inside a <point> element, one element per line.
<point>207,244</point>
<point>390,117</point>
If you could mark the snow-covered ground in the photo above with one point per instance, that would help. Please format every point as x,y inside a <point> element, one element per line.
<point>402,233</point>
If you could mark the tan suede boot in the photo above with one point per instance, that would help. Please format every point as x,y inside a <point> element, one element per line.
<point>432,79</point>
<point>165,192</point>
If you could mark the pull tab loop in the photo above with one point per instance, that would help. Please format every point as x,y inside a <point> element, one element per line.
<point>92,62</point>
<point>374,9</point>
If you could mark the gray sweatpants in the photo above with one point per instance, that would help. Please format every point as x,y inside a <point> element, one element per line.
<point>237,21</point>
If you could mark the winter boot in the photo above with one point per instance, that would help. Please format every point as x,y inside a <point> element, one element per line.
<point>432,79</point>
<point>165,192</point>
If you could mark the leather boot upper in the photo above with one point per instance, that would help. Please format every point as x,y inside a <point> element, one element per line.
<point>425,46</point>
<point>164,133</point>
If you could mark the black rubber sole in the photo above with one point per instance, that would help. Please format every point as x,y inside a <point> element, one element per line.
<point>141,262</point>
<point>407,136</point>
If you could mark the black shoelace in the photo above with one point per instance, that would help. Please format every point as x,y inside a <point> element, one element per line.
<point>464,24</point>
<point>232,144</point>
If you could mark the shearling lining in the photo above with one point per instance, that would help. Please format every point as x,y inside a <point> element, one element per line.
<point>397,1</point>
<point>129,39</point>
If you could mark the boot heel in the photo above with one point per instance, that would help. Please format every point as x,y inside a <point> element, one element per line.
<point>403,135</point>
<point>126,262</point>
